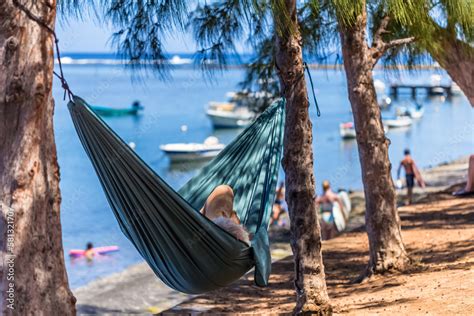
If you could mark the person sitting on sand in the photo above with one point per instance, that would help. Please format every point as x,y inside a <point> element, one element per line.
<point>469,188</point>
<point>326,202</point>
<point>89,252</point>
<point>411,173</point>
<point>219,208</point>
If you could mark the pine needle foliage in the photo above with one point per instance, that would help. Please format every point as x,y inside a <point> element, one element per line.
<point>219,27</point>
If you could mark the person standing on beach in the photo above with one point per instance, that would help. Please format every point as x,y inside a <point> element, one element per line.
<point>411,174</point>
<point>326,202</point>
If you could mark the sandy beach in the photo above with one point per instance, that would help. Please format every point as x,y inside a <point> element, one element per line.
<point>449,224</point>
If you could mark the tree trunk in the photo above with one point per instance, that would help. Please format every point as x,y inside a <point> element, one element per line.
<point>33,275</point>
<point>457,58</point>
<point>382,222</point>
<point>310,282</point>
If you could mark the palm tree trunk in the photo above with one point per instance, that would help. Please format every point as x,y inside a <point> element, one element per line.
<point>34,280</point>
<point>298,165</point>
<point>457,58</point>
<point>382,222</point>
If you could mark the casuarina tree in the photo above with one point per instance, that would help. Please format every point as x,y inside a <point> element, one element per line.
<point>33,275</point>
<point>444,29</point>
<point>271,27</point>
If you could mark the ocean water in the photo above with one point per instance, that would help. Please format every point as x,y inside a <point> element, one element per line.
<point>445,132</point>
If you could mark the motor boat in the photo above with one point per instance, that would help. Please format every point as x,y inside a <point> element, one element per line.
<point>192,152</point>
<point>108,111</point>
<point>455,89</point>
<point>385,102</point>
<point>229,115</point>
<point>412,112</point>
<point>435,80</point>
<point>347,130</point>
<point>240,111</point>
<point>398,121</point>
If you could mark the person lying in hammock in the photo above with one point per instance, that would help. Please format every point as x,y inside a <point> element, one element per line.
<point>219,208</point>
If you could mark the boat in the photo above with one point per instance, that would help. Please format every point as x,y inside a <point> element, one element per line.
<point>228,115</point>
<point>347,130</point>
<point>98,250</point>
<point>107,111</point>
<point>385,102</point>
<point>240,111</point>
<point>412,112</point>
<point>436,82</point>
<point>398,121</point>
<point>192,152</point>
<point>379,86</point>
<point>455,89</point>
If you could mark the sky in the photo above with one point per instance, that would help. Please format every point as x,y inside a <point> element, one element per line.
<point>87,36</point>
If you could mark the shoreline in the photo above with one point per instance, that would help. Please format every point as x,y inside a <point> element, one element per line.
<point>137,290</point>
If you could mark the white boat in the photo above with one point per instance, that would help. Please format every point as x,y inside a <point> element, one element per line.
<point>385,102</point>
<point>455,89</point>
<point>347,130</point>
<point>412,112</point>
<point>399,121</point>
<point>229,115</point>
<point>436,81</point>
<point>187,152</point>
<point>239,110</point>
<point>379,86</point>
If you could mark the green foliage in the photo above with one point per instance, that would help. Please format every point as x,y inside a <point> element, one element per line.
<point>219,26</point>
<point>141,26</point>
<point>347,11</point>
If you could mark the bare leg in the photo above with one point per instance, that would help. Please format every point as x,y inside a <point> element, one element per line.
<point>470,175</point>
<point>409,194</point>
<point>469,188</point>
<point>220,203</point>
<point>275,213</point>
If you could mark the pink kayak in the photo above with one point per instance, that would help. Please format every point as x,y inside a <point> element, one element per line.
<point>98,250</point>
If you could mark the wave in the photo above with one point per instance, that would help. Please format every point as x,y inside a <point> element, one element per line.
<point>104,59</point>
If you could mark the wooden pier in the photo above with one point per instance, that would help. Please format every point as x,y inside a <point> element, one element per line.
<point>430,89</point>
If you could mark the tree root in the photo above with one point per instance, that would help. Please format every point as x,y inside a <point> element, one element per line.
<point>312,309</point>
<point>404,265</point>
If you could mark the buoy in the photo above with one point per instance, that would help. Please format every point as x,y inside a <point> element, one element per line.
<point>184,128</point>
<point>132,145</point>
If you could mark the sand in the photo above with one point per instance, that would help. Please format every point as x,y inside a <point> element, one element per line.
<point>438,232</point>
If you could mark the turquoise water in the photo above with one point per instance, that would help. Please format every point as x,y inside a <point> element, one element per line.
<point>445,132</point>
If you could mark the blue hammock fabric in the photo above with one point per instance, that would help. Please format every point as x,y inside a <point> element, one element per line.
<point>187,251</point>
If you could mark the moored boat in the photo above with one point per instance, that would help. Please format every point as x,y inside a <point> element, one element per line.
<point>412,112</point>
<point>186,152</point>
<point>239,111</point>
<point>228,115</point>
<point>399,121</point>
<point>347,130</point>
<point>106,111</point>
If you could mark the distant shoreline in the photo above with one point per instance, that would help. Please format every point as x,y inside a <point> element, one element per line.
<point>188,60</point>
<point>192,65</point>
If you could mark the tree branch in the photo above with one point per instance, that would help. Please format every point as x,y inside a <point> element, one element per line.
<point>380,48</point>
<point>382,29</point>
<point>398,42</point>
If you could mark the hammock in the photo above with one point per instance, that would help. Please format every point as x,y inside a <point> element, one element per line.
<point>187,251</point>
